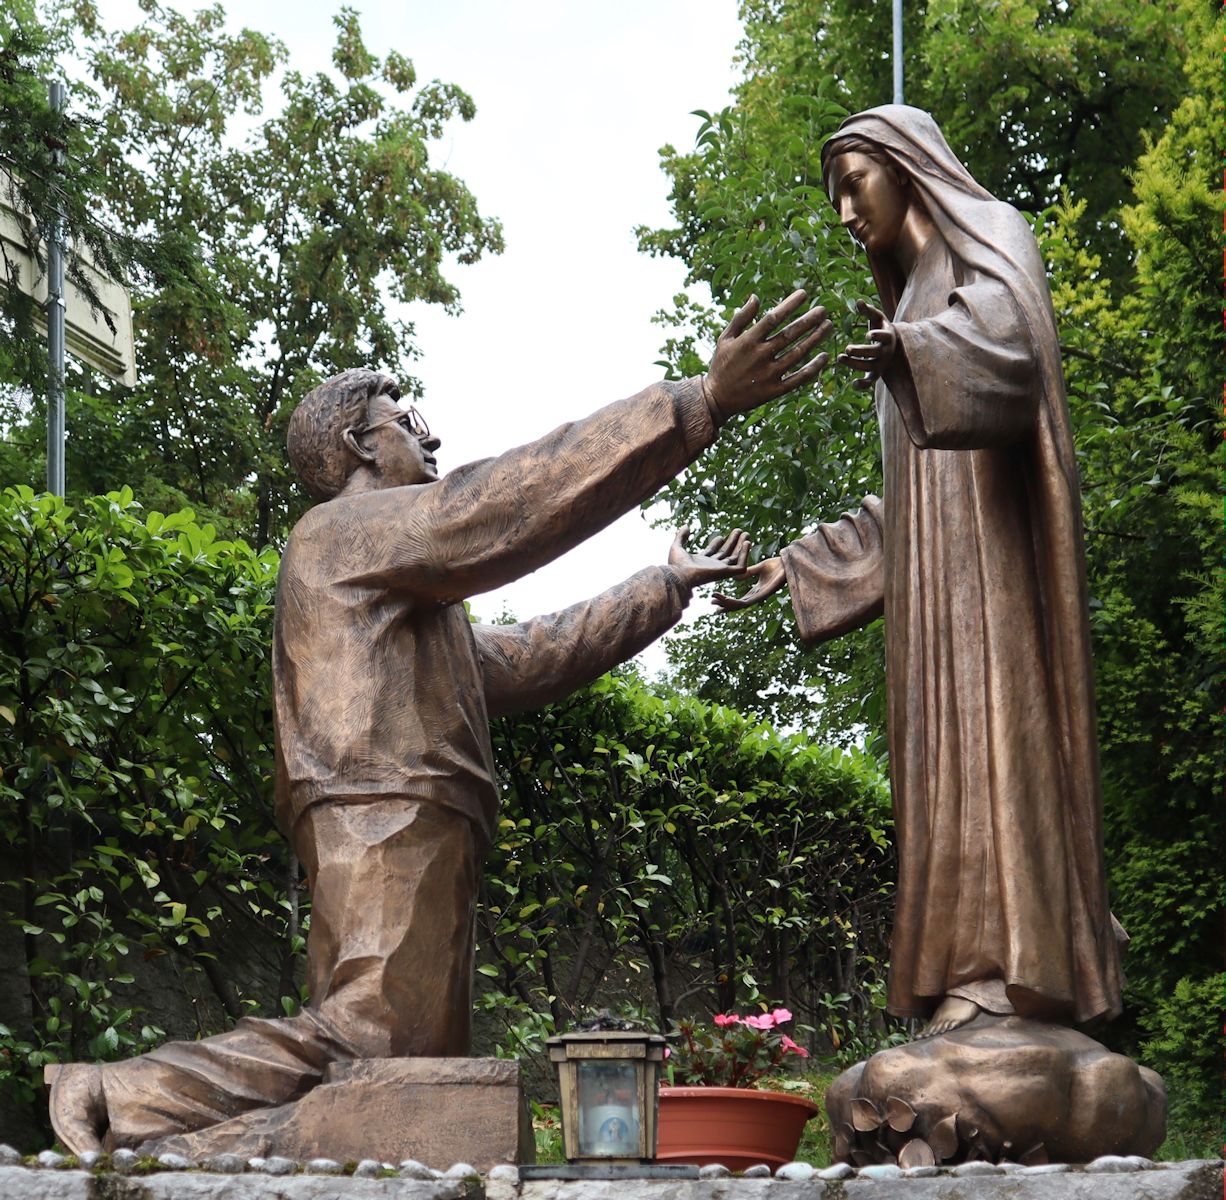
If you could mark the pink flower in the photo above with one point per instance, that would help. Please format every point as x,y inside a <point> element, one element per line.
<point>792,1048</point>
<point>780,1015</point>
<point>667,1052</point>
<point>765,1021</point>
<point>723,1020</point>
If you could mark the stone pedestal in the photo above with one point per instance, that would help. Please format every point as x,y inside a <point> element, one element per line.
<point>434,1110</point>
<point>997,1089</point>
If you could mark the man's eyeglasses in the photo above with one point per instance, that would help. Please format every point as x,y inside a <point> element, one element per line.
<point>410,418</point>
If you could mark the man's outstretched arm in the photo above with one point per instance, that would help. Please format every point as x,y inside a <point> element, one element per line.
<point>538,661</point>
<point>493,521</point>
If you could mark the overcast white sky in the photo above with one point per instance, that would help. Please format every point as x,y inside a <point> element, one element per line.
<point>573,102</point>
<point>574,99</point>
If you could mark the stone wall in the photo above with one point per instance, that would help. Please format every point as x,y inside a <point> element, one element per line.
<point>1107,1179</point>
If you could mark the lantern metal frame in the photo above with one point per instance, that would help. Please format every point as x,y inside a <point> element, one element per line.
<point>644,1052</point>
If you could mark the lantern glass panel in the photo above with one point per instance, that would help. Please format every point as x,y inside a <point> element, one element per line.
<point>608,1109</point>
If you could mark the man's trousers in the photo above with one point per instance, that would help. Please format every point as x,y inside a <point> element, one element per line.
<point>389,965</point>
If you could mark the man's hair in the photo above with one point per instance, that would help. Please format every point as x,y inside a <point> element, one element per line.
<point>316,450</point>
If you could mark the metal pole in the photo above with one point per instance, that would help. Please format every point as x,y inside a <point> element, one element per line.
<point>55,322</point>
<point>898,52</point>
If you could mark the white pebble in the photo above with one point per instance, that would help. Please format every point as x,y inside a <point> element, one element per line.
<point>173,1162</point>
<point>713,1171</point>
<point>962,1170</point>
<point>368,1168</point>
<point>504,1171</point>
<point>49,1158</point>
<point>275,1165</point>
<point>460,1171</point>
<point>837,1171</point>
<point>1046,1169</point>
<point>881,1171</point>
<point>225,1164</point>
<point>412,1169</point>
<point>324,1166</point>
<point>920,1172</point>
<point>89,1159</point>
<point>757,1171</point>
<point>1111,1164</point>
<point>8,1156</point>
<point>800,1172</point>
<point>124,1160</point>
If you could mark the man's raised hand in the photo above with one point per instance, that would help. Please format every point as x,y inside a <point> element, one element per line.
<point>753,358</point>
<point>724,558</point>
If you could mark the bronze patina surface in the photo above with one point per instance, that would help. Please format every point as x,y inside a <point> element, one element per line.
<point>975,557</point>
<point>383,690</point>
<point>434,1110</point>
<point>996,1089</point>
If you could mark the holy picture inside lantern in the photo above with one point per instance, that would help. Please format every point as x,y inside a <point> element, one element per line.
<point>608,1109</point>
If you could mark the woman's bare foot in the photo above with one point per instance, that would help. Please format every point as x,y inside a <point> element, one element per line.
<point>78,1107</point>
<point>952,1012</point>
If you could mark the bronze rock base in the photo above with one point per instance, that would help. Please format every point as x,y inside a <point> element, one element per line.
<point>997,1089</point>
<point>438,1111</point>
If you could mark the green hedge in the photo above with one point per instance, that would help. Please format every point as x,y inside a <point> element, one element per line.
<point>135,765</point>
<point>665,840</point>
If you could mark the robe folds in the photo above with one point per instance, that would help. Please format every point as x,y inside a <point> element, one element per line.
<point>975,556</point>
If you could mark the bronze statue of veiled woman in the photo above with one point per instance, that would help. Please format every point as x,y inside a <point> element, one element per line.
<point>975,556</point>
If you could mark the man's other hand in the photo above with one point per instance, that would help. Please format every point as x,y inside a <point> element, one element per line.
<point>724,558</point>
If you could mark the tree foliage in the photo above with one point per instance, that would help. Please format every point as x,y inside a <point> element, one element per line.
<point>1143,374</point>
<point>47,167</point>
<point>753,186</point>
<point>1039,94</point>
<point>1042,95</point>
<point>294,242</point>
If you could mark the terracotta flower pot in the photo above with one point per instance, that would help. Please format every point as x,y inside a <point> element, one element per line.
<point>734,1126</point>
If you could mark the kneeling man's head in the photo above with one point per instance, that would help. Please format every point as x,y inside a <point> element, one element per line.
<point>353,421</point>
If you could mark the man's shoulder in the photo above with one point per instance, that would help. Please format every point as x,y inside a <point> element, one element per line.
<point>323,533</point>
<point>348,530</point>
<point>338,516</point>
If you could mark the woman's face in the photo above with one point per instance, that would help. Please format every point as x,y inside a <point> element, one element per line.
<point>869,200</point>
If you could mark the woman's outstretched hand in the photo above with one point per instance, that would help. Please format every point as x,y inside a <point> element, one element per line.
<point>874,356</point>
<point>768,577</point>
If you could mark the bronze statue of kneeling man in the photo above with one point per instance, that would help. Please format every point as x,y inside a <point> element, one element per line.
<point>386,785</point>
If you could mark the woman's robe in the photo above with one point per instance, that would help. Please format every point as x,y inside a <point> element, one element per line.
<point>975,556</point>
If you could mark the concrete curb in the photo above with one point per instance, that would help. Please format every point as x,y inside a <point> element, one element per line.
<point>1113,1179</point>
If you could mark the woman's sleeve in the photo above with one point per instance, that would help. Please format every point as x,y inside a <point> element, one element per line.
<point>836,575</point>
<point>967,378</point>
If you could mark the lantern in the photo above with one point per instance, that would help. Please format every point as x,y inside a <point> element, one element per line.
<point>607,1083</point>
